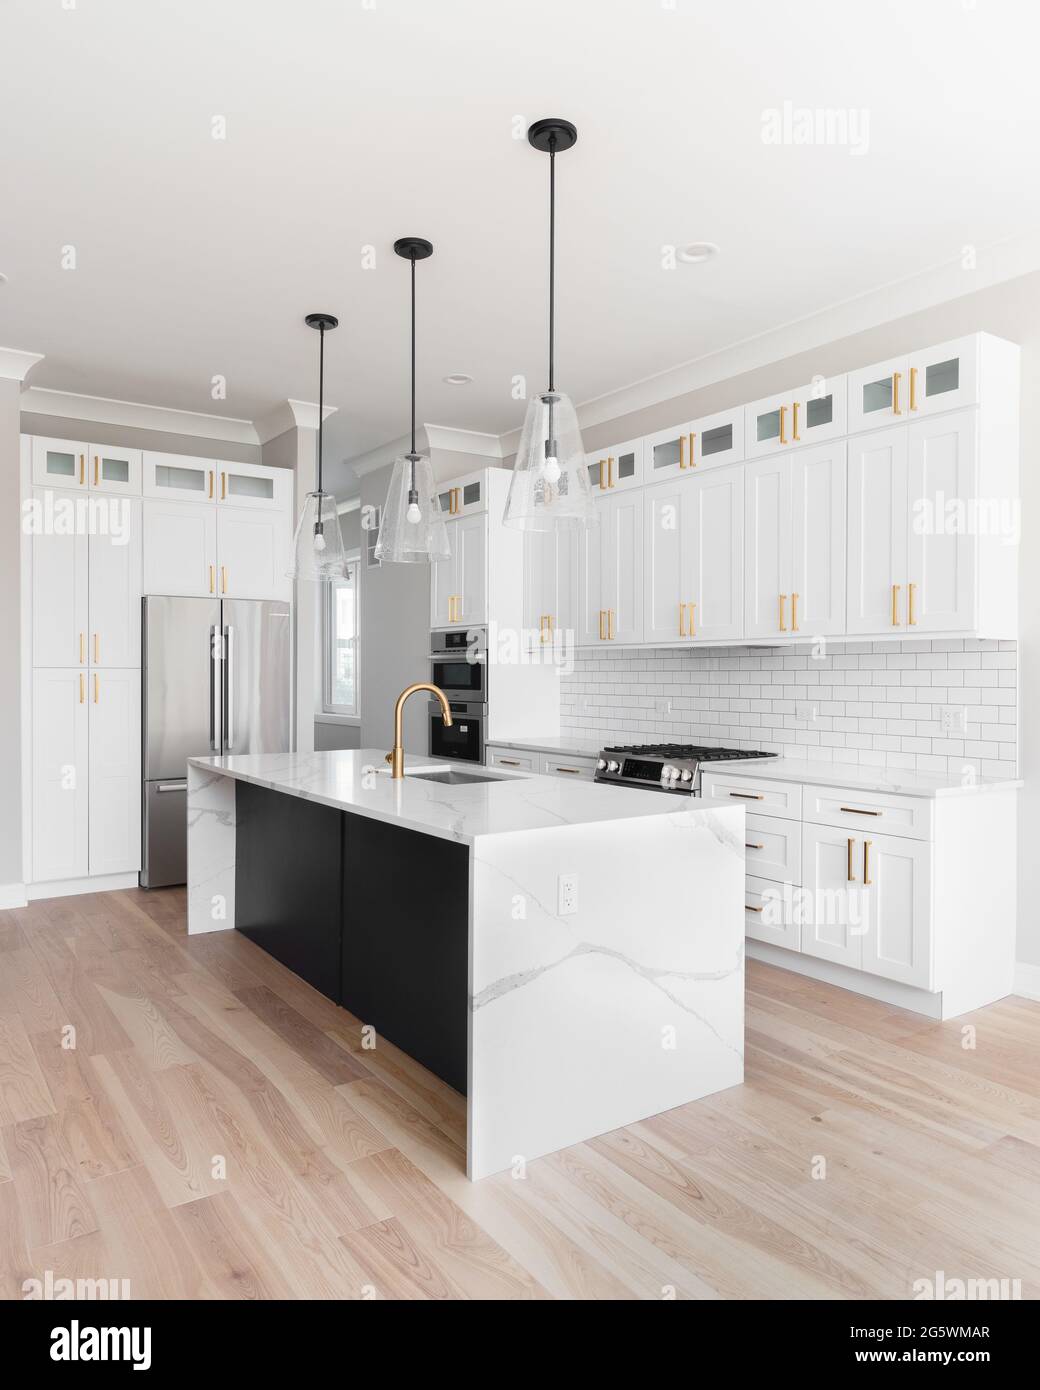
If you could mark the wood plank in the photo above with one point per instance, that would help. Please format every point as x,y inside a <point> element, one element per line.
<point>234,1259</point>
<point>90,1124</point>
<point>333,1063</point>
<point>44,1174</point>
<point>24,1093</point>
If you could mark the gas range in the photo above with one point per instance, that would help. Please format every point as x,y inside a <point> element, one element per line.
<point>663,767</point>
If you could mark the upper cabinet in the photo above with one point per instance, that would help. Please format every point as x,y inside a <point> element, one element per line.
<point>921,383</point>
<point>180,478</point>
<point>699,444</point>
<point>252,554</point>
<point>65,463</point>
<point>254,485</point>
<point>616,468</point>
<point>464,496</point>
<point>179,548</point>
<point>693,559</point>
<point>808,415</point>
<point>458,585</point>
<point>610,577</point>
<point>550,586</point>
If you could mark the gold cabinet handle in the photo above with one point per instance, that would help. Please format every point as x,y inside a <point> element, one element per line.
<point>693,626</point>
<point>212,586</point>
<point>97,647</point>
<point>82,470</point>
<point>913,388</point>
<point>848,871</point>
<point>97,467</point>
<point>223,487</point>
<point>610,624</point>
<point>682,619</point>
<point>693,461</point>
<point>911,621</point>
<point>896,378</point>
<point>682,451</point>
<point>751,846</point>
<point>783,625</point>
<point>867,880</point>
<point>601,637</point>
<point>795,436</point>
<point>211,484</point>
<point>82,647</point>
<point>610,471</point>
<point>857,811</point>
<point>95,688</point>
<point>543,628</point>
<point>749,796</point>
<point>573,771</point>
<point>783,424</point>
<point>81,687</point>
<point>749,908</point>
<point>223,579</point>
<point>794,612</point>
<point>603,475</point>
<point>508,762</point>
<point>895,605</point>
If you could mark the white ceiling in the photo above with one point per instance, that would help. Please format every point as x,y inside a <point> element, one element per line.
<point>350,124</point>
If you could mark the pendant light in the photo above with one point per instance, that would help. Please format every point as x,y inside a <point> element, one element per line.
<point>412,529</point>
<point>550,486</point>
<point>318,544</point>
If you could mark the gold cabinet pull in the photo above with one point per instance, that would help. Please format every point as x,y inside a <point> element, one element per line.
<point>911,621</point>
<point>795,436</point>
<point>749,908</point>
<point>693,461</point>
<point>794,612</point>
<point>783,424</point>
<point>682,451</point>
<point>783,625</point>
<point>896,379</point>
<point>603,475</point>
<point>751,846</point>
<point>508,762</point>
<point>82,647</point>
<point>867,880</point>
<point>610,624</point>
<point>848,871</point>
<point>223,487</point>
<point>223,579</point>
<point>913,388</point>
<point>682,619</point>
<point>97,647</point>
<point>749,796</point>
<point>543,628</point>
<point>857,811</point>
<point>211,484</point>
<point>895,605</point>
<point>573,771</point>
<point>601,638</point>
<point>81,687</point>
<point>693,626</point>
<point>82,470</point>
<point>97,467</point>
<point>95,688</point>
<point>610,471</point>
<point>212,585</point>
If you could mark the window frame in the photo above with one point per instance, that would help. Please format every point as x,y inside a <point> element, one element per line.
<point>329,643</point>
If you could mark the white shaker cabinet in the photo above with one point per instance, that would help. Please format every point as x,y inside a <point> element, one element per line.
<point>60,785</point>
<point>835,913</point>
<point>252,553</point>
<point>877,532</point>
<point>179,548</point>
<point>114,604</point>
<point>59,580</point>
<point>458,585</point>
<point>942,556</point>
<point>114,742</point>
<point>693,558</point>
<point>610,572</point>
<point>897,889</point>
<point>550,586</point>
<point>767,532</point>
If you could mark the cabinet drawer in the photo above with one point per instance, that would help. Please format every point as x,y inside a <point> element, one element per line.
<point>507,757</point>
<point>577,769</point>
<point>774,848</point>
<point>768,914</point>
<point>758,794</point>
<point>865,811</point>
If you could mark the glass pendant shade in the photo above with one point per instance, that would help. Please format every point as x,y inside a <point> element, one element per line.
<point>412,529</point>
<point>318,544</point>
<point>550,486</point>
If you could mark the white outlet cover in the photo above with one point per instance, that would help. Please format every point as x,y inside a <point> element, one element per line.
<point>954,719</point>
<point>567,894</point>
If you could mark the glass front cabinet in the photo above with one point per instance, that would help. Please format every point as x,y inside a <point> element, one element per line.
<point>618,467</point>
<point>920,383</point>
<point>810,414</point>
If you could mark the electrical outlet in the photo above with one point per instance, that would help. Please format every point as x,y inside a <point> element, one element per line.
<point>567,894</point>
<point>663,706</point>
<point>954,719</point>
<point>805,709</point>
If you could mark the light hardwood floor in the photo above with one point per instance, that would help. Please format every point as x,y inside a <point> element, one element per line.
<point>220,1131</point>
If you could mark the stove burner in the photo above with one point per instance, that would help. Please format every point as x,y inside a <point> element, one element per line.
<point>692,751</point>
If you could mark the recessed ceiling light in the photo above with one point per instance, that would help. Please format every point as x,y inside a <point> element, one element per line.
<point>458,379</point>
<point>697,251</point>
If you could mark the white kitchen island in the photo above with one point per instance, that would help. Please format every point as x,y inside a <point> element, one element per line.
<point>558,1024</point>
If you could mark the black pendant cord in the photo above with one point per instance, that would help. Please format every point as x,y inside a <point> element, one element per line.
<point>413,495</point>
<point>318,528</point>
<point>552,264</point>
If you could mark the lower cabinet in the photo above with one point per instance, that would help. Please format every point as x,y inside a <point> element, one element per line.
<point>86,775</point>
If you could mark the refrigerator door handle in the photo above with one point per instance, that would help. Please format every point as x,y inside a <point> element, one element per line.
<point>214,693</point>
<point>229,687</point>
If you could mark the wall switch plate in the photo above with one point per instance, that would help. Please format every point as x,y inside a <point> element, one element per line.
<point>663,706</point>
<point>807,710</point>
<point>954,719</point>
<point>566,894</point>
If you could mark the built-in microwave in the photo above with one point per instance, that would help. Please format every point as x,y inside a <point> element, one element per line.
<point>464,737</point>
<point>458,664</point>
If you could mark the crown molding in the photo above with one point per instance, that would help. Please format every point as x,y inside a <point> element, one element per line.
<point>16,365</point>
<point>352,504</point>
<point>288,415</point>
<point>383,454</point>
<point>464,441</point>
<point>71,406</point>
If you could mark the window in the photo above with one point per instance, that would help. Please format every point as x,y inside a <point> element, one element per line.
<point>340,685</point>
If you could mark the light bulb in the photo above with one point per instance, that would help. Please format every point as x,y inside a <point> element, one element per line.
<point>319,541</point>
<point>552,469</point>
<point>414,514</point>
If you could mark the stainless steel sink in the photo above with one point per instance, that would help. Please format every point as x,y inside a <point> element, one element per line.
<point>454,778</point>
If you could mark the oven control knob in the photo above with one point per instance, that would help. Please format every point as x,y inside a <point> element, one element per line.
<point>613,766</point>
<point>686,775</point>
<point>669,773</point>
<point>601,764</point>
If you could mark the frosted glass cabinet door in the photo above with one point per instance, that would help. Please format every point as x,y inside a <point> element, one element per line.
<point>818,411</point>
<point>59,775</point>
<point>667,453</point>
<point>879,395</point>
<point>253,485</point>
<point>944,377</point>
<point>115,771</point>
<point>179,547</point>
<point>618,467</point>
<point>113,469</point>
<point>179,477</point>
<point>59,581</point>
<point>59,462</point>
<point>115,590</point>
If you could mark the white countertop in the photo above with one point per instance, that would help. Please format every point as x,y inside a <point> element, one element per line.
<point>896,780</point>
<point>553,743</point>
<point>358,780</point>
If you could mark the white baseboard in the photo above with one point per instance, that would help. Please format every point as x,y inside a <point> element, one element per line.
<point>1027,980</point>
<point>66,887</point>
<point>12,895</point>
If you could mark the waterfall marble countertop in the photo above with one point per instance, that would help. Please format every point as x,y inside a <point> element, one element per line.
<point>861,777</point>
<point>358,780</point>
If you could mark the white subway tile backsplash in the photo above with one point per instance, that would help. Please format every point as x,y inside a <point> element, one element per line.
<point>876,703</point>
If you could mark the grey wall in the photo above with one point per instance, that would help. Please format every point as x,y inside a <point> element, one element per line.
<point>395,636</point>
<point>329,736</point>
<point>58,427</point>
<point>10,637</point>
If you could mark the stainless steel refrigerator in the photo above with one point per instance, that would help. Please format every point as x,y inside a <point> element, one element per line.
<point>216,680</point>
